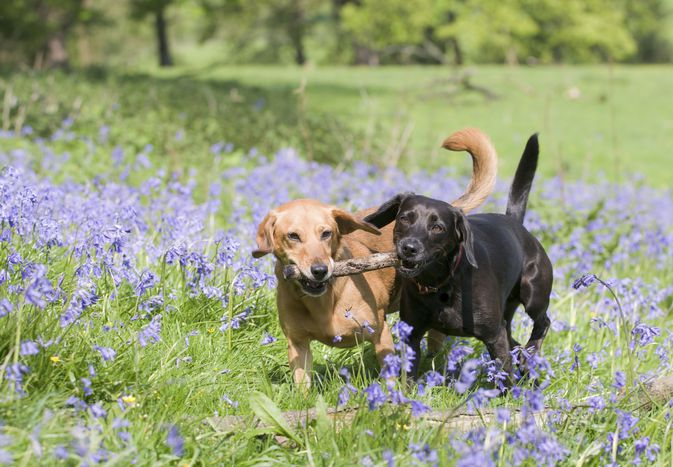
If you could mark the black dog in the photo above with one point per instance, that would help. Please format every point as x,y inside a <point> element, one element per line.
<point>466,276</point>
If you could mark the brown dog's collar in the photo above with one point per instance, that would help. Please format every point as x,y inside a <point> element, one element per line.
<point>427,289</point>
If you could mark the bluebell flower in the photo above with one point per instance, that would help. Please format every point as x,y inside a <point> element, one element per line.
<point>107,353</point>
<point>418,408</point>
<point>389,457</point>
<point>375,396</point>
<point>391,366</point>
<point>29,348</point>
<point>585,281</point>
<point>97,410</point>
<point>86,386</point>
<point>175,441</point>
<point>150,332</point>
<point>468,375</point>
<point>424,453</point>
<point>268,339</point>
<point>6,307</point>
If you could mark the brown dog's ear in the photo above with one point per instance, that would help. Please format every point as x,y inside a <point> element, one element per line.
<point>265,236</point>
<point>465,237</point>
<point>348,223</point>
<point>387,212</point>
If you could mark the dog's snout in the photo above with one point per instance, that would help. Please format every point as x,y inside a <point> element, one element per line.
<point>410,248</point>
<point>319,271</point>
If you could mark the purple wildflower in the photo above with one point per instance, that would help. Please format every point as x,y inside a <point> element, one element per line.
<point>86,386</point>
<point>231,403</point>
<point>391,366</point>
<point>418,408</point>
<point>107,353</point>
<point>150,332</point>
<point>6,307</point>
<point>585,281</point>
<point>175,441</point>
<point>29,348</point>
<point>424,453</point>
<point>402,330</point>
<point>389,457</point>
<point>236,321</point>
<point>375,396</point>
<point>97,410</point>
<point>337,339</point>
<point>468,375</point>
<point>433,378</point>
<point>268,339</point>
<point>643,334</point>
<point>347,389</point>
<point>61,452</point>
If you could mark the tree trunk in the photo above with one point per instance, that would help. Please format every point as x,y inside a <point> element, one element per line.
<point>299,54</point>
<point>457,52</point>
<point>165,58</point>
<point>57,53</point>
<point>296,31</point>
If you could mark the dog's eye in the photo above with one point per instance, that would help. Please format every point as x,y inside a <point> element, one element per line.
<point>436,228</point>
<point>326,235</point>
<point>403,220</point>
<point>294,236</point>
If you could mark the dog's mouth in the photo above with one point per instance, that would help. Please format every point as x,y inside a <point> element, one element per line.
<point>409,268</point>
<point>311,287</point>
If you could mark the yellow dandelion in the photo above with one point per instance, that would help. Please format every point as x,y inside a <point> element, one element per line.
<point>129,399</point>
<point>211,330</point>
<point>55,358</point>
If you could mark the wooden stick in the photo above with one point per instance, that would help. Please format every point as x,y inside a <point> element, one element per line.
<point>350,266</point>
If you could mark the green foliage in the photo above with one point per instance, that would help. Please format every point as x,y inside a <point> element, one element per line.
<point>27,26</point>
<point>178,118</point>
<point>495,31</point>
<point>643,19</point>
<point>382,23</point>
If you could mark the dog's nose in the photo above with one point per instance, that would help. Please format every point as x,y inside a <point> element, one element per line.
<point>319,271</point>
<point>409,248</point>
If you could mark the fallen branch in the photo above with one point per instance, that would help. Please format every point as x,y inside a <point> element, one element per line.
<point>350,266</point>
<point>448,419</point>
<point>654,392</point>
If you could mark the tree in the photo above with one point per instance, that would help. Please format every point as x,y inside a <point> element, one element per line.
<point>140,9</point>
<point>578,31</point>
<point>648,22</point>
<point>39,30</point>
<point>388,26</point>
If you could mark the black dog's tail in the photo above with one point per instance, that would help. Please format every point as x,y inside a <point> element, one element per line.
<point>523,179</point>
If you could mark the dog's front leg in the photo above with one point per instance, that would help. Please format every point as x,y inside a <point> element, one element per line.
<point>383,344</point>
<point>498,348</point>
<point>301,362</point>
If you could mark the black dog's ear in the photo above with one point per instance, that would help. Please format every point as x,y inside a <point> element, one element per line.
<point>465,237</point>
<point>387,212</point>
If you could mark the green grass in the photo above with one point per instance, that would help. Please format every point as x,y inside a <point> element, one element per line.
<point>578,137</point>
<point>619,125</point>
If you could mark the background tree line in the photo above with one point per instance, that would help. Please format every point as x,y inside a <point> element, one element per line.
<point>57,33</point>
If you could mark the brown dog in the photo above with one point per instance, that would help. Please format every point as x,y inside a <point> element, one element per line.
<point>343,311</point>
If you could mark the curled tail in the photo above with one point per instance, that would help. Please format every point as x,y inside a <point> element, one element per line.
<point>484,165</point>
<point>523,179</point>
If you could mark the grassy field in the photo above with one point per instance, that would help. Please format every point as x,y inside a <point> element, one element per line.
<point>133,318</point>
<point>595,120</point>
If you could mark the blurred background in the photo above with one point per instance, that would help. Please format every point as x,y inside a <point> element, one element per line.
<point>381,81</point>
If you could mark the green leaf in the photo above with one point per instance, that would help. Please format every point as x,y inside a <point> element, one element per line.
<point>269,413</point>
